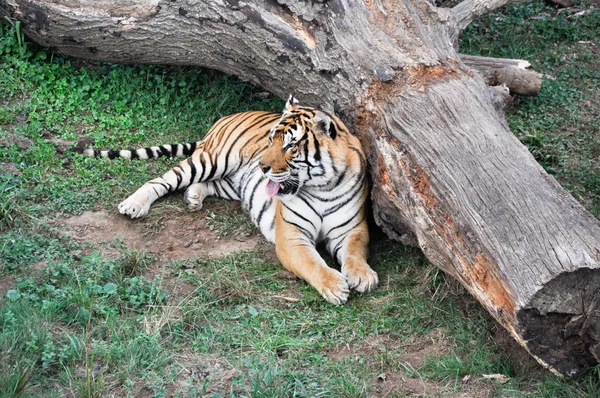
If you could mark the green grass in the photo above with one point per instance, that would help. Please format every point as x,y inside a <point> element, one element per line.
<point>76,322</point>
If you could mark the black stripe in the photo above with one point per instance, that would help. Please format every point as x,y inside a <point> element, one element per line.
<point>149,153</point>
<point>231,188</point>
<point>163,151</point>
<point>188,150</point>
<point>218,133</point>
<point>251,201</point>
<point>247,178</point>
<point>213,170</point>
<point>333,128</point>
<point>333,132</point>
<point>310,206</point>
<point>218,192</point>
<point>112,154</point>
<point>134,154</point>
<point>359,181</point>
<point>317,148</point>
<point>178,175</point>
<point>190,161</point>
<point>347,221</point>
<point>203,165</point>
<point>349,229</point>
<point>165,185</point>
<point>300,228</point>
<point>269,117</point>
<point>266,205</point>
<point>260,137</point>
<point>298,215</point>
<point>340,205</point>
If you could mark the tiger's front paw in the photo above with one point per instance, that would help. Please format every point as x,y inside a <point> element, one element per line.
<point>134,207</point>
<point>334,287</point>
<point>359,275</point>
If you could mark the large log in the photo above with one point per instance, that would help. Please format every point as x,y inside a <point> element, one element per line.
<point>447,173</point>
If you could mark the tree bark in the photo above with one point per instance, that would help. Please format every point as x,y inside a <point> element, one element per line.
<point>447,173</point>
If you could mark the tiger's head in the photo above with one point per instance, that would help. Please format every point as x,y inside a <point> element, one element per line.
<point>297,154</point>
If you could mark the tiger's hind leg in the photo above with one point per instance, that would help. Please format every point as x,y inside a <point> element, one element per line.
<point>194,196</point>
<point>196,193</point>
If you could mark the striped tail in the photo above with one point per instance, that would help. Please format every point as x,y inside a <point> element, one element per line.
<point>153,152</point>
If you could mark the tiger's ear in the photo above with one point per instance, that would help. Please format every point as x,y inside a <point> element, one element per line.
<point>291,103</point>
<point>323,123</point>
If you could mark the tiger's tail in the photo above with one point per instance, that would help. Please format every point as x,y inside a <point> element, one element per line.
<point>153,152</point>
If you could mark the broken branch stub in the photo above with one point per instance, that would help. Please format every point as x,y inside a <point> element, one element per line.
<point>510,72</point>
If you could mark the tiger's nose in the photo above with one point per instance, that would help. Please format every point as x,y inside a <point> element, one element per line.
<point>265,168</point>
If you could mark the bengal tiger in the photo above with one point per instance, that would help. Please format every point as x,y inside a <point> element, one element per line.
<point>300,175</point>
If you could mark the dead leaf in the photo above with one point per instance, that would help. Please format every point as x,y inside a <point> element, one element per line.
<point>500,378</point>
<point>229,374</point>
<point>290,299</point>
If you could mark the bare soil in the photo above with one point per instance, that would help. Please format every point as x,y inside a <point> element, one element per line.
<point>414,353</point>
<point>399,385</point>
<point>9,168</point>
<point>166,238</point>
<point>7,282</point>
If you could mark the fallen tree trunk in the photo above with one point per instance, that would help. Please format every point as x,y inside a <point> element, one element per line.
<point>448,174</point>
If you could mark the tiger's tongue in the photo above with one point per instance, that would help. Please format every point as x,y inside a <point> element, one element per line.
<point>272,188</point>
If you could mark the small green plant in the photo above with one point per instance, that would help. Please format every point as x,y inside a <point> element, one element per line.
<point>14,381</point>
<point>13,41</point>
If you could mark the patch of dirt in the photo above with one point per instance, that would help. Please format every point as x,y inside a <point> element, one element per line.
<point>368,347</point>
<point>9,168</point>
<point>179,286</point>
<point>396,384</point>
<point>268,252</point>
<point>19,141</point>
<point>170,238</point>
<point>195,372</point>
<point>433,345</point>
<point>415,353</point>
<point>392,383</point>
<point>7,282</point>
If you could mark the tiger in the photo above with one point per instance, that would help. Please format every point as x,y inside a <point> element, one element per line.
<point>300,175</point>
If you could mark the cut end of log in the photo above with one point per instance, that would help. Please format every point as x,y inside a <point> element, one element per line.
<point>562,322</point>
<point>522,64</point>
